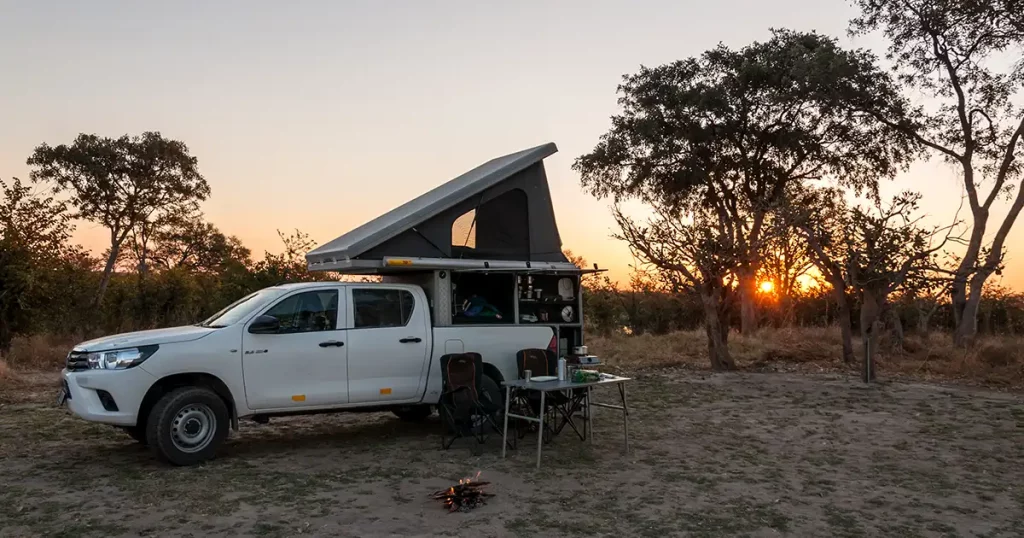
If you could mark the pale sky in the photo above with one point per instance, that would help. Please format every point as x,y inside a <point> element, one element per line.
<point>322,115</point>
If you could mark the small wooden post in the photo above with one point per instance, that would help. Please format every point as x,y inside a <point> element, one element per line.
<point>867,358</point>
<point>869,351</point>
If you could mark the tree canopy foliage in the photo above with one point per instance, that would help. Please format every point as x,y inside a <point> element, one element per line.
<point>871,251</point>
<point>965,58</point>
<point>34,232</point>
<point>120,183</point>
<point>712,143</point>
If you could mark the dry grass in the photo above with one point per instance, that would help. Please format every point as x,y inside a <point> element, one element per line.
<point>6,375</point>
<point>997,361</point>
<point>689,348</point>
<point>40,352</point>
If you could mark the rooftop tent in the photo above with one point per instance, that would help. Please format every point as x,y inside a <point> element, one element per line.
<point>499,212</point>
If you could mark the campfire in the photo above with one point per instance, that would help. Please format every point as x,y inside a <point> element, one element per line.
<point>466,495</point>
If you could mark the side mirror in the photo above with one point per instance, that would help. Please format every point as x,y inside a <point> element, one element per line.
<point>264,325</point>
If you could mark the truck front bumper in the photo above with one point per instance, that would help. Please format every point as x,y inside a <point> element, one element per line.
<point>107,396</point>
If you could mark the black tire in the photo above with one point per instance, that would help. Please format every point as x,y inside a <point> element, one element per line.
<point>492,395</point>
<point>173,422</point>
<point>136,432</point>
<point>413,413</point>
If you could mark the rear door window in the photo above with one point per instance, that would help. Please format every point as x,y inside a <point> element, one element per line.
<point>381,307</point>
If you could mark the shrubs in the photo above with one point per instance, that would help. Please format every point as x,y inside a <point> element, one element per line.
<point>995,361</point>
<point>40,351</point>
<point>6,375</point>
<point>998,354</point>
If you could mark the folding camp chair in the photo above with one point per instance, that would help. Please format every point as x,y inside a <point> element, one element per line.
<point>540,362</point>
<point>544,362</point>
<point>463,411</point>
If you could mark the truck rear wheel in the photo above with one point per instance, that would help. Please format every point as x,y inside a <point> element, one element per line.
<point>413,413</point>
<point>187,425</point>
<point>492,395</point>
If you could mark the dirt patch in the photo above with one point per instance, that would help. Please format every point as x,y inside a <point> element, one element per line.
<point>711,455</point>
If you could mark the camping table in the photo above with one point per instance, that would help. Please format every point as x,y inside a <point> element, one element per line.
<point>544,387</point>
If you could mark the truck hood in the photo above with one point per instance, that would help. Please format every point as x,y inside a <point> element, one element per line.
<point>146,338</point>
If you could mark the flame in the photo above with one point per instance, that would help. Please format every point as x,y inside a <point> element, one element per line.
<point>450,496</point>
<point>464,481</point>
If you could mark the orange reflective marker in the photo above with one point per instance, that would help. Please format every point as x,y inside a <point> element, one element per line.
<point>386,391</point>
<point>299,398</point>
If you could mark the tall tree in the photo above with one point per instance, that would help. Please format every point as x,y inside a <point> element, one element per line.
<point>964,56</point>
<point>729,131</point>
<point>34,230</point>
<point>871,251</point>
<point>820,215</point>
<point>702,251</point>
<point>784,262</point>
<point>120,182</point>
<point>185,239</point>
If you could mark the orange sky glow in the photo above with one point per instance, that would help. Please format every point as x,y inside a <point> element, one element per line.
<point>319,116</point>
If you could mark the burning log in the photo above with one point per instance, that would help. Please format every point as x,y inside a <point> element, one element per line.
<point>464,496</point>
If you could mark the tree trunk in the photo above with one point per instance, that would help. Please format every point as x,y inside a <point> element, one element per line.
<point>958,301</point>
<point>967,327</point>
<point>924,317</point>
<point>6,337</point>
<point>897,329</point>
<point>965,315</point>
<point>870,314</point>
<point>845,321</point>
<point>748,295</point>
<point>718,346</point>
<point>115,249</point>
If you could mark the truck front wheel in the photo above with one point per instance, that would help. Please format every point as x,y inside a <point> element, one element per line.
<point>187,425</point>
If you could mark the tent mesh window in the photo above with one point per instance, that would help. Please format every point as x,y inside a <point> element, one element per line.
<point>497,229</point>
<point>464,231</point>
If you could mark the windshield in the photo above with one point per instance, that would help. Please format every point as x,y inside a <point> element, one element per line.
<point>238,310</point>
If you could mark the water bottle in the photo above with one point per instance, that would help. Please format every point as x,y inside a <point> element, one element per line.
<point>561,369</point>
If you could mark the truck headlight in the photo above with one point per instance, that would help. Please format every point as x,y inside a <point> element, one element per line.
<point>119,359</point>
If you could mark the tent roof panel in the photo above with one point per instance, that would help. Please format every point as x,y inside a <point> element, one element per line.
<point>400,219</point>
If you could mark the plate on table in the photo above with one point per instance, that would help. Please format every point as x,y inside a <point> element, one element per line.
<point>543,378</point>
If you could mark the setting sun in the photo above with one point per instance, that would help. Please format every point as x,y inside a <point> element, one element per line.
<point>766,287</point>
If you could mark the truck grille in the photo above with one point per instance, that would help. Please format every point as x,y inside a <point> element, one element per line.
<point>77,360</point>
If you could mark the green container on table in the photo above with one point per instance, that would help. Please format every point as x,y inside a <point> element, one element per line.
<point>586,376</point>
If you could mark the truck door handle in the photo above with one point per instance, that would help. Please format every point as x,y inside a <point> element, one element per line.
<point>333,343</point>
<point>411,340</point>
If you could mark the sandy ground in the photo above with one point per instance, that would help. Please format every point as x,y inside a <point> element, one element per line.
<point>711,455</point>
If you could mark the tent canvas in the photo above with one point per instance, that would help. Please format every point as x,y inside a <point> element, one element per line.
<point>500,211</point>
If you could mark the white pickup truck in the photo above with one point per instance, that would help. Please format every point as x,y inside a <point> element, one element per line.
<point>284,350</point>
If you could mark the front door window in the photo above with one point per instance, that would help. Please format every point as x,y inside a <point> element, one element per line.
<point>311,311</point>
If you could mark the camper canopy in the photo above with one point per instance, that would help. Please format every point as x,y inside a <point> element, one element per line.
<point>497,215</point>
